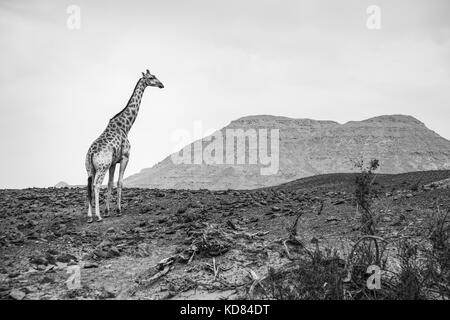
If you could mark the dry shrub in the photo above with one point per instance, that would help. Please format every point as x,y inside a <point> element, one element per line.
<point>212,241</point>
<point>425,263</point>
<point>317,276</point>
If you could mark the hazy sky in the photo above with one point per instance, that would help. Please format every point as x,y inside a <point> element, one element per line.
<point>218,60</point>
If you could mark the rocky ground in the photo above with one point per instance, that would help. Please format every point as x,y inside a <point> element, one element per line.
<point>185,244</point>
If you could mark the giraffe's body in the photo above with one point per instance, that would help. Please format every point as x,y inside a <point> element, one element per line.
<point>112,147</point>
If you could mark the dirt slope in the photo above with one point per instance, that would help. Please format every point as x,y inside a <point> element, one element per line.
<point>173,244</point>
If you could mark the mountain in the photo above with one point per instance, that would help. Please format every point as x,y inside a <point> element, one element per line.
<point>62,184</point>
<point>297,148</point>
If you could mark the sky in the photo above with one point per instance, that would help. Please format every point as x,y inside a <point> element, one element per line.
<point>218,60</point>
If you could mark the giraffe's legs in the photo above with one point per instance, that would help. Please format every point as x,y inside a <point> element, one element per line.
<point>99,176</point>
<point>112,169</point>
<point>90,197</point>
<point>90,212</point>
<point>123,166</point>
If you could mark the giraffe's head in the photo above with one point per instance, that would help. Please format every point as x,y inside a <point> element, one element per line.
<point>150,80</point>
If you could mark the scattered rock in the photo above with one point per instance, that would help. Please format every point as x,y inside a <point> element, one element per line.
<point>66,258</point>
<point>52,252</point>
<point>61,265</point>
<point>162,220</point>
<point>50,259</point>
<point>17,294</point>
<point>231,225</point>
<point>114,251</point>
<point>47,280</point>
<point>109,291</point>
<point>90,265</point>
<point>13,274</point>
<point>39,261</point>
<point>101,253</point>
<point>110,230</point>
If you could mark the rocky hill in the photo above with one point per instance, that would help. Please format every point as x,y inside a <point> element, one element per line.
<point>62,184</point>
<point>305,148</point>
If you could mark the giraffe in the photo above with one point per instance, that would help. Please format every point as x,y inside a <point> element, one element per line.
<point>112,147</point>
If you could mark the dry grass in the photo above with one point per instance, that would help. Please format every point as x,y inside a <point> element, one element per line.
<point>423,264</point>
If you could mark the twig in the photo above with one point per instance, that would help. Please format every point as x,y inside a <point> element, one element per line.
<point>321,207</point>
<point>287,250</point>
<point>215,269</point>
<point>256,280</point>
<point>192,257</point>
<point>158,275</point>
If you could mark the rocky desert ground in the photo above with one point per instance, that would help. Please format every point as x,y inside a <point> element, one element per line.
<point>194,244</point>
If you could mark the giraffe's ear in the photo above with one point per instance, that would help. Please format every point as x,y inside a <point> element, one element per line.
<point>143,74</point>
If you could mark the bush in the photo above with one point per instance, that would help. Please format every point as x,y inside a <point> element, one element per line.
<point>316,276</point>
<point>364,194</point>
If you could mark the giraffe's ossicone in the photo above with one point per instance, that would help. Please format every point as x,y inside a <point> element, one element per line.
<point>112,147</point>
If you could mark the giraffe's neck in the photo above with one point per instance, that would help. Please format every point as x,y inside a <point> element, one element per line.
<point>125,119</point>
